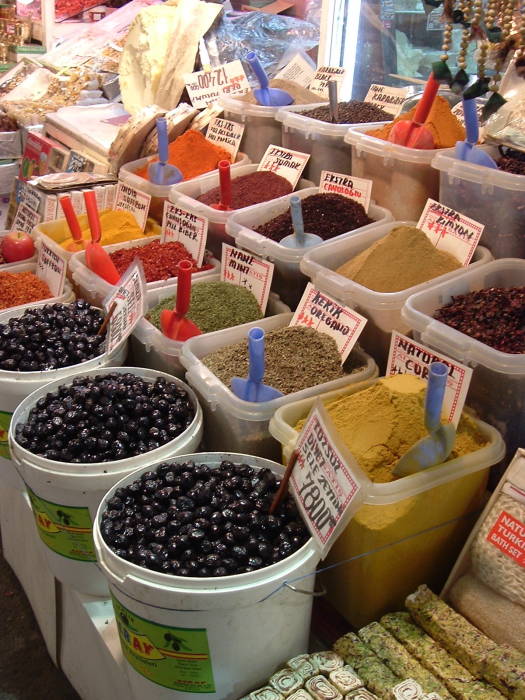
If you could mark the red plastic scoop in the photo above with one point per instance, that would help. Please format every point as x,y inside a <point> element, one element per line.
<point>225,183</point>
<point>173,324</point>
<point>97,259</point>
<point>412,132</point>
<point>74,226</point>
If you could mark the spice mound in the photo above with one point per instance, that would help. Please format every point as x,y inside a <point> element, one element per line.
<point>381,423</point>
<point>301,95</point>
<point>326,215</point>
<point>51,336</point>
<point>444,126</point>
<point>403,259</point>
<point>192,154</point>
<point>495,316</point>
<point>210,521</point>
<point>18,288</point>
<point>104,418</point>
<point>159,260</point>
<point>254,188</point>
<point>512,161</point>
<point>214,306</point>
<point>320,361</point>
<point>117,227</point>
<point>351,112</point>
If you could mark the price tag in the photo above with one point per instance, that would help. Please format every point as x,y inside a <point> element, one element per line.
<point>322,313</point>
<point>51,267</point>
<point>129,298</point>
<point>324,480</point>
<point>246,270</point>
<point>25,219</point>
<point>389,98</point>
<point>406,356</point>
<point>450,231</point>
<point>207,86</point>
<point>356,188</point>
<point>298,71</point>
<point>457,111</point>
<point>319,84</point>
<point>189,229</point>
<point>227,134</point>
<point>133,200</point>
<point>284,162</point>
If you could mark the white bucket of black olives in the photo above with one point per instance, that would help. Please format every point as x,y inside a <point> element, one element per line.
<point>74,438</point>
<point>204,580</point>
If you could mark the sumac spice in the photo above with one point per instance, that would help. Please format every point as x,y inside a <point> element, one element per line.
<point>21,288</point>
<point>254,188</point>
<point>351,112</point>
<point>159,260</point>
<point>494,316</point>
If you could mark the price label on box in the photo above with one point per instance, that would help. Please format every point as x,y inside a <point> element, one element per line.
<point>51,267</point>
<point>181,225</point>
<point>207,86</point>
<point>450,231</point>
<point>226,134</point>
<point>284,162</point>
<point>319,84</point>
<point>406,356</point>
<point>246,270</point>
<point>322,313</point>
<point>298,71</point>
<point>356,188</point>
<point>129,299</point>
<point>389,98</point>
<point>25,219</point>
<point>133,200</point>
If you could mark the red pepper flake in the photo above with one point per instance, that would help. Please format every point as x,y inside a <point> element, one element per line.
<point>159,260</point>
<point>21,288</point>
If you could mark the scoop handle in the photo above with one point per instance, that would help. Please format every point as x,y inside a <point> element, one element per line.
<point>259,71</point>
<point>471,121</point>
<point>183,287</point>
<point>162,137</point>
<point>225,183</point>
<point>297,218</point>
<point>92,214</point>
<point>71,217</point>
<point>332,96</point>
<point>256,354</point>
<point>437,383</point>
<point>427,100</point>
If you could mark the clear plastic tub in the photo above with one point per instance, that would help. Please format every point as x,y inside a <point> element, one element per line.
<point>159,193</point>
<point>497,388</point>
<point>288,280</point>
<point>492,197</point>
<point>94,289</point>
<point>151,348</point>
<point>410,531</point>
<point>403,177</point>
<point>66,297</point>
<point>260,126</point>
<point>243,425</point>
<point>185,194</point>
<point>382,309</point>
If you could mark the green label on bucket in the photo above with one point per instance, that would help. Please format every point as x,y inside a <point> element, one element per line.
<point>173,657</point>
<point>5,420</point>
<point>66,530</point>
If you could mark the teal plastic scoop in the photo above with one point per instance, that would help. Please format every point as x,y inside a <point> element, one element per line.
<point>299,239</point>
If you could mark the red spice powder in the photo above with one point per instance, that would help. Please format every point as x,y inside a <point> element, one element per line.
<point>257,187</point>
<point>159,260</point>
<point>21,288</point>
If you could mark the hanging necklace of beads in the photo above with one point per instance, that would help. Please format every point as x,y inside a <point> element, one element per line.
<point>496,34</point>
<point>520,53</point>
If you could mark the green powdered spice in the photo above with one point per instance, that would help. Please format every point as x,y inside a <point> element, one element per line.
<point>214,306</point>
<point>296,358</point>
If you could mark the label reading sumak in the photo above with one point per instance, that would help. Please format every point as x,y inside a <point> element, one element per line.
<point>177,658</point>
<point>5,422</point>
<point>66,530</point>
<point>356,188</point>
<point>181,225</point>
<point>284,162</point>
<point>133,200</point>
<point>242,268</point>
<point>388,98</point>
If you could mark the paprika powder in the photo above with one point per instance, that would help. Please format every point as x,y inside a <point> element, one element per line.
<point>21,288</point>
<point>159,260</point>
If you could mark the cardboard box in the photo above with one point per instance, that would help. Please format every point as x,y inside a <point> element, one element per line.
<point>42,155</point>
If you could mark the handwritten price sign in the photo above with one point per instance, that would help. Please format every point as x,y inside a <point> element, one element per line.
<point>450,231</point>
<point>246,270</point>
<point>388,98</point>
<point>357,188</point>
<point>207,86</point>
<point>51,268</point>
<point>324,74</point>
<point>184,226</point>
<point>284,162</point>
<point>133,200</point>
<point>129,298</point>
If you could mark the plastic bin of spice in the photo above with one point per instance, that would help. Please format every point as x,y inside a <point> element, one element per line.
<point>488,195</point>
<point>94,289</point>
<point>66,297</point>
<point>288,280</point>
<point>159,193</point>
<point>260,126</point>
<point>423,518</point>
<point>403,177</point>
<point>184,195</point>
<point>243,425</point>
<point>497,388</point>
<point>382,309</point>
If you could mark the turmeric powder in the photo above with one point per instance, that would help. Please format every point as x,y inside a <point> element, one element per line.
<point>444,126</point>
<point>117,226</point>
<point>192,154</point>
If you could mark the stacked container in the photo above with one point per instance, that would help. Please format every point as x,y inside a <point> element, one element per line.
<point>260,126</point>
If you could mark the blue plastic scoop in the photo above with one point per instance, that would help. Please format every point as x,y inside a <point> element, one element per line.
<point>435,448</point>
<point>466,150</point>
<point>265,95</point>
<point>162,173</point>
<point>252,389</point>
<point>299,239</point>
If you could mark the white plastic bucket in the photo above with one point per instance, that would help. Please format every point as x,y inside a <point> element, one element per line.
<point>64,494</point>
<point>235,632</point>
<point>65,298</point>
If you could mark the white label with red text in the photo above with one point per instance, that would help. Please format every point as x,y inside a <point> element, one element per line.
<point>356,188</point>
<point>284,162</point>
<point>388,98</point>
<point>319,84</point>
<point>298,71</point>
<point>450,231</point>
<point>184,226</point>
<point>322,313</point>
<point>408,357</point>
<point>226,134</point>
<point>25,219</point>
<point>51,267</point>
<point>207,86</point>
<point>130,299</point>
<point>242,268</point>
<point>133,200</point>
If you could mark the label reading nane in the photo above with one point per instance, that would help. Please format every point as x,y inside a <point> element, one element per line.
<point>181,225</point>
<point>284,162</point>
<point>450,231</point>
<point>129,298</point>
<point>322,313</point>
<point>356,188</point>
<point>133,200</point>
<point>242,268</point>
<point>207,86</point>
<point>298,71</point>
<point>389,98</point>
<point>51,268</point>
<point>226,134</point>
<point>319,84</point>
<point>508,535</point>
<point>25,219</point>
